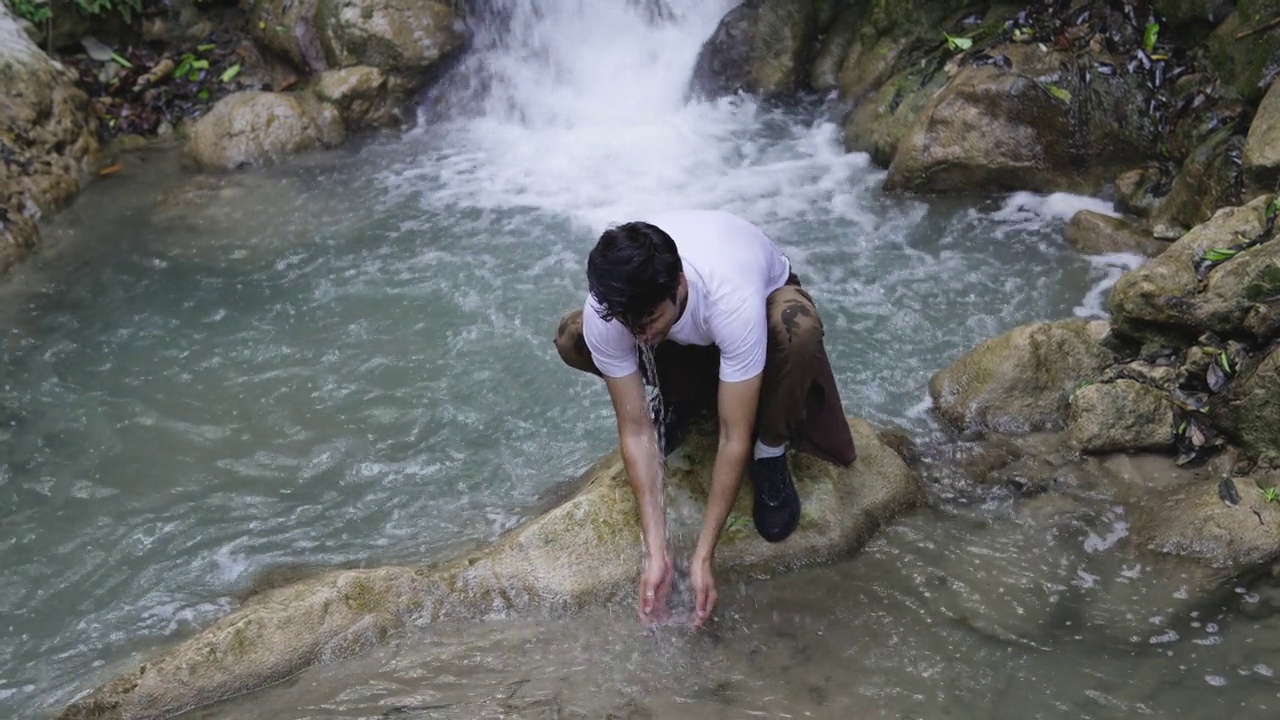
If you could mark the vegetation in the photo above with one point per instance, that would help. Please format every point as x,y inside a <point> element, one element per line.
<point>41,11</point>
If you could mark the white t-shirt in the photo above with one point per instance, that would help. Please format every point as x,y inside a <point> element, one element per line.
<point>731,267</point>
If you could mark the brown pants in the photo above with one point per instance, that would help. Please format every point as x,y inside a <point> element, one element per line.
<point>794,370</point>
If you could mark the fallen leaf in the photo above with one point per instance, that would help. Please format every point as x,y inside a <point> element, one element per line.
<point>111,169</point>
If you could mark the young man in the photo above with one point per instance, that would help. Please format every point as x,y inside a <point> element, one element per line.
<point>732,334</point>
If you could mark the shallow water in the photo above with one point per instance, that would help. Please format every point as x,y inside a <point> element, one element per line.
<point>348,360</point>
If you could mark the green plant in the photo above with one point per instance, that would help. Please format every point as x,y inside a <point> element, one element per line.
<point>124,8</point>
<point>957,43</point>
<point>1150,36</point>
<point>1270,494</point>
<point>34,11</point>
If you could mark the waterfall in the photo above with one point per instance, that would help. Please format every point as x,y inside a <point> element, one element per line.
<point>581,108</point>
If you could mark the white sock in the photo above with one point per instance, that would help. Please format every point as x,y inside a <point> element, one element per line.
<point>767,451</point>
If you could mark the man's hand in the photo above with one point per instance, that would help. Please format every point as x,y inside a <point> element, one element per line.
<point>704,589</point>
<point>655,586</point>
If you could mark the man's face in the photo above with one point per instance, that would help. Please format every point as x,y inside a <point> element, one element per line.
<point>654,328</point>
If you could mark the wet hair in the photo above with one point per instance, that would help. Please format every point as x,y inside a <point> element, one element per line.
<point>632,270</point>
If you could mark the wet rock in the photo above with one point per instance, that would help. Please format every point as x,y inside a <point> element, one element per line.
<point>290,29</point>
<point>879,124</point>
<point>251,128</point>
<point>1021,381</point>
<point>1262,148</point>
<point>403,39</point>
<point>361,95</point>
<point>761,46</point>
<point>1138,191</point>
<point>827,66</point>
<point>1164,297</point>
<point>1249,409</point>
<point>1042,120</point>
<point>1120,416</point>
<point>48,139</point>
<point>1210,179</point>
<point>1193,14</point>
<point>579,554</point>
<point>1245,49</point>
<point>1094,233</point>
<point>1193,521</point>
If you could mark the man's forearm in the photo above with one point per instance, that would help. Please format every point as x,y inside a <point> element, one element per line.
<point>641,458</point>
<point>726,477</point>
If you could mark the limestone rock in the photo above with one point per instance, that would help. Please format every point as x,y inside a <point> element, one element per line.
<point>879,124</point>
<point>401,38</point>
<point>48,139</point>
<point>1210,178</point>
<point>1165,297</point>
<point>1249,409</point>
<point>1193,521</point>
<point>361,94</point>
<point>1262,148</point>
<point>1119,416</point>
<point>251,128</point>
<point>1023,380</point>
<point>583,552</point>
<point>1094,233</point>
<point>764,47</point>
<point>1038,121</point>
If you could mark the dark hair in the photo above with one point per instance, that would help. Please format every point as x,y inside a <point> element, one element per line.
<point>632,269</point>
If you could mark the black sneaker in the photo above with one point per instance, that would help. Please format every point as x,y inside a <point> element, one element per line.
<point>776,509</point>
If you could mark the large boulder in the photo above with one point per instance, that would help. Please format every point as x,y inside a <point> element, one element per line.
<point>1249,410</point>
<point>252,128</point>
<point>1262,147</point>
<point>361,94</point>
<point>403,39</point>
<point>48,139</point>
<point>1194,521</point>
<point>1165,298</point>
<point>1021,381</point>
<point>580,553</point>
<point>1039,119</point>
<point>761,46</point>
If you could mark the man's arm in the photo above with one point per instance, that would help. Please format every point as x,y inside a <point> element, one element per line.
<point>638,439</point>
<point>737,410</point>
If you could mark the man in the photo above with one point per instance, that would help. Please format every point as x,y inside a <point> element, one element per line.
<point>732,333</point>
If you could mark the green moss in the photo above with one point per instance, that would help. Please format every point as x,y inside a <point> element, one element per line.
<point>361,596</point>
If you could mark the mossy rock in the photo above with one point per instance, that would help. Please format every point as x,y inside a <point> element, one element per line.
<point>1164,299</point>
<point>1021,381</point>
<point>1193,521</point>
<point>1121,416</point>
<point>1249,64</point>
<point>1211,178</point>
<point>1249,409</point>
<point>763,47</point>
<point>580,553</point>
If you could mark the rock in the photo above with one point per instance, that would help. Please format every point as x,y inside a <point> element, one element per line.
<point>48,139</point>
<point>1033,125</point>
<point>579,554</point>
<point>403,39</point>
<point>827,66</point>
<point>1164,298</point>
<point>1193,521</point>
<point>361,95</point>
<point>1210,178</point>
<point>1248,64</point>
<point>761,46</point>
<point>1262,147</point>
<point>1021,381</point>
<point>1195,13</point>
<point>1094,233</point>
<point>251,128</point>
<point>1138,191</point>
<point>879,124</point>
<point>1119,416</point>
<point>1249,408</point>
<point>290,29</point>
